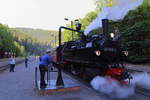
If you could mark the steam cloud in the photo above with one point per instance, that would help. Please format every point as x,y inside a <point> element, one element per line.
<point>113,89</point>
<point>113,13</point>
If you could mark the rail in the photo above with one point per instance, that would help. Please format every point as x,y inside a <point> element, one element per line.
<point>143,91</point>
<point>5,64</point>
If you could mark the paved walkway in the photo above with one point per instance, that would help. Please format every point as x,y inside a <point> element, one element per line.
<point>19,85</point>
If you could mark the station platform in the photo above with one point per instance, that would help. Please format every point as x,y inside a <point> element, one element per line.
<point>72,90</point>
<point>20,85</point>
<point>52,88</point>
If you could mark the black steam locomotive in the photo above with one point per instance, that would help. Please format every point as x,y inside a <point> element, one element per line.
<point>94,55</point>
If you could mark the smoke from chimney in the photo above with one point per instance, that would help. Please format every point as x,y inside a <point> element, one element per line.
<point>113,13</point>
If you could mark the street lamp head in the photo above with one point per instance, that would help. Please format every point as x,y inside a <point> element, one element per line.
<point>71,20</point>
<point>66,19</point>
<point>76,20</point>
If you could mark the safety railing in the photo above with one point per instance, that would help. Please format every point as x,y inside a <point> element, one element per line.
<point>37,72</point>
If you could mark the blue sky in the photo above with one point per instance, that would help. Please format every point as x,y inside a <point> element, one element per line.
<point>43,14</point>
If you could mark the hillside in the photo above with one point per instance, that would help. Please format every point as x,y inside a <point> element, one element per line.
<point>42,36</point>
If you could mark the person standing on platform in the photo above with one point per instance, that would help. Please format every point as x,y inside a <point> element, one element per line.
<point>45,60</point>
<point>26,62</point>
<point>12,63</point>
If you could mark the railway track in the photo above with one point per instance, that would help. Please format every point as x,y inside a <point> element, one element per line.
<point>138,90</point>
<point>4,65</point>
<point>143,91</point>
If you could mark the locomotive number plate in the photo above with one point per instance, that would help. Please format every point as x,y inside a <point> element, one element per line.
<point>110,49</point>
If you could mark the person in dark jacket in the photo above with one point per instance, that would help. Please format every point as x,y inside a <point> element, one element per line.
<point>45,60</point>
<point>26,62</point>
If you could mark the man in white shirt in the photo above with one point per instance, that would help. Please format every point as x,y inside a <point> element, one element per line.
<point>12,63</point>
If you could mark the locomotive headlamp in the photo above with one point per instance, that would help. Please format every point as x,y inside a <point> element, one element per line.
<point>98,53</point>
<point>112,35</point>
<point>125,53</point>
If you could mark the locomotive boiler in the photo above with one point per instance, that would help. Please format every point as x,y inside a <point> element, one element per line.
<point>94,55</point>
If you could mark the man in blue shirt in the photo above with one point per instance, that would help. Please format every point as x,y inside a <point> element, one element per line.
<point>45,60</point>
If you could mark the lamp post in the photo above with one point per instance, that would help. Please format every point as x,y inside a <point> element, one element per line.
<point>71,26</point>
<point>25,47</point>
<point>52,40</point>
<point>27,44</point>
<point>55,40</point>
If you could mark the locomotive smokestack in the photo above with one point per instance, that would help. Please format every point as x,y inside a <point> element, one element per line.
<point>105,27</point>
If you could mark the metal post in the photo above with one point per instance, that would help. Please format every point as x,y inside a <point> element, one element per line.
<point>36,82</point>
<point>72,31</point>
<point>47,75</point>
<point>59,81</point>
<point>55,40</point>
<point>26,47</point>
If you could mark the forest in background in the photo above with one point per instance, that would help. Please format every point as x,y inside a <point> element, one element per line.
<point>26,41</point>
<point>39,35</point>
<point>134,29</point>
